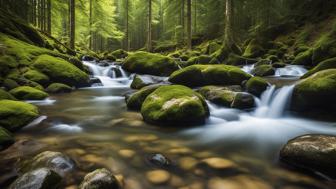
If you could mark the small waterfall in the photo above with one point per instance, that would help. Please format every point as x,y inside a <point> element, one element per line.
<point>248,68</point>
<point>291,70</point>
<point>274,102</point>
<point>110,76</point>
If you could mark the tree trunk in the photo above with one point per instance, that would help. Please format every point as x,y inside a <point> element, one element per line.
<point>182,20</point>
<point>228,36</point>
<point>189,43</point>
<point>127,32</point>
<point>72,24</point>
<point>149,32</point>
<point>195,17</point>
<point>90,25</point>
<point>49,16</point>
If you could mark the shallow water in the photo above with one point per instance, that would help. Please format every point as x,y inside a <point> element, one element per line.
<point>94,127</point>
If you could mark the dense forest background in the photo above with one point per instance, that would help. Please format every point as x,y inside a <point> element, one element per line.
<point>159,25</point>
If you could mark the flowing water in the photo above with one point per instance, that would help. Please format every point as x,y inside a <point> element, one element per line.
<point>287,71</point>
<point>94,127</point>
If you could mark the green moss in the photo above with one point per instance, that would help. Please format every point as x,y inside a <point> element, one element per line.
<point>237,60</point>
<point>58,88</point>
<point>256,85</point>
<point>263,70</point>
<point>149,63</point>
<point>10,84</point>
<point>273,58</point>
<point>61,71</point>
<point>203,59</point>
<point>28,93</point>
<point>316,92</point>
<point>119,54</point>
<point>304,58</point>
<point>253,49</point>
<point>7,63</point>
<point>174,104</point>
<point>200,75</point>
<point>14,114</point>
<point>36,76</point>
<point>6,138</point>
<point>135,101</point>
<point>4,95</point>
<point>213,47</point>
<point>278,65</point>
<point>327,64</point>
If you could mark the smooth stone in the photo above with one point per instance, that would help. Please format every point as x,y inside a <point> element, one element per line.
<point>158,177</point>
<point>100,179</point>
<point>126,153</point>
<point>238,182</point>
<point>144,137</point>
<point>180,151</point>
<point>187,163</point>
<point>159,160</point>
<point>218,163</point>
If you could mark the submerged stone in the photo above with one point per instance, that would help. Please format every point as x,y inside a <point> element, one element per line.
<point>158,177</point>
<point>100,179</point>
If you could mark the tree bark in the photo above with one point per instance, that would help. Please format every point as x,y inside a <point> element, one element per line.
<point>228,36</point>
<point>72,24</point>
<point>49,17</point>
<point>90,25</point>
<point>195,16</point>
<point>149,32</point>
<point>127,32</point>
<point>189,22</point>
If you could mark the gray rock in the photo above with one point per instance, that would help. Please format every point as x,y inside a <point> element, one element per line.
<point>100,179</point>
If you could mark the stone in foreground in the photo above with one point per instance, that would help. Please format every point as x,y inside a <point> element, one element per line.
<point>100,179</point>
<point>311,152</point>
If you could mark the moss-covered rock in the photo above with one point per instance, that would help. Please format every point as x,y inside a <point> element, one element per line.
<point>6,138</point>
<point>58,88</point>
<point>141,81</point>
<point>237,60</point>
<point>230,96</point>
<point>174,104</point>
<point>135,101</point>
<point>4,95</point>
<point>61,71</point>
<point>304,58</point>
<point>200,75</point>
<point>119,54</point>
<point>10,84</point>
<point>256,85</point>
<point>279,65</point>
<point>149,63</point>
<point>263,70</point>
<point>14,114</point>
<point>327,64</point>
<point>203,59</point>
<point>36,76</point>
<point>316,92</point>
<point>253,50</point>
<point>28,93</point>
<point>7,63</point>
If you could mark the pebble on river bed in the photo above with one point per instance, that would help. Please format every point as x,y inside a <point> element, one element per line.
<point>137,138</point>
<point>238,182</point>
<point>126,153</point>
<point>218,166</point>
<point>158,177</point>
<point>187,163</point>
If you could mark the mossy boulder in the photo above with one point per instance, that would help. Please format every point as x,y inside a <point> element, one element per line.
<point>149,63</point>
<point>6,138</point>
<point>202,59</point>
<point>10,84</point>
<point>141,81</point>
<point>7,63</point>
<point>28,93</point>
<point>61,71</point>
<point>200,75</point>
<point>256,85</point>
<point>316,92</point>
<point>4,95</point>
<point>135,101</point>
<point>253,49</point>
<point>237,60</point>
<point>58,88</point>
<point>230,96</point>
<point>41,178</point>
<point>15,115</point>
<point>174,104</point>
<point>327,64</point>
<point>304,58</point>
<point>37,77</point>
<point>263,70</point>
<point>119,54</point>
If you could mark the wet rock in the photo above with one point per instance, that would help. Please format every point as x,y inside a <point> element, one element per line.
<point>100,179</point>
<point>256,85</point>
<point>238,182</point>
<point>263,70</point>
<point>311,152</point>
<point>135,101</point>
<point>55,161</point>
<point>158,177</point>
<point>141,81</point>
<point>6,138</point>
<point>243,101</point>
<point>41,178</point>
<point>126,153</point>
<point>174,104</point>
<point>88,58</point>
<point>219,166</point>
<point>95,81</point>
<point>159,160</point>
<point>15,115</point>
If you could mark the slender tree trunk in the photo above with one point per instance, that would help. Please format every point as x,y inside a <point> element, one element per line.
<point>182,20</point>
<point>49,17</point>
<point>195,16</point>
<point>228,36</point>
<point>127,32</point>
<point>189,22</point>
<point>90,25</point>
<point>149,32</point>
<point>72,24</point>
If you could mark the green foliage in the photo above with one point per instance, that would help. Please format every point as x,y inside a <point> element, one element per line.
<point>15,115</point>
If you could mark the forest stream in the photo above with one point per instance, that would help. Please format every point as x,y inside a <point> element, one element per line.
<point>97,130</point>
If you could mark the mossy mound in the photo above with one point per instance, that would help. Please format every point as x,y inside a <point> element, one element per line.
<point>6,64</point>
<point>58,88</point>
<point>37,77</point>
<point>135,101</point>
<point>263,70</point>
<point>149,63</point>
<point>236,60</point>
<point>14,114</point>
<point>253,49</point>
<point>6,138</point>
<point>316,92</point>
<point>304,58</point>
<point>256,85</point>
<point>61,71</point>
<point>200,75</point>
<point>4,95</point>
<point>10,84</point>
<point>327,64</point>
<point>230,96</point>
<point>119,54</point>
<point>28,93</point>
<point>174,104</point>
<point>203,59</point>
<point>141,81</point>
